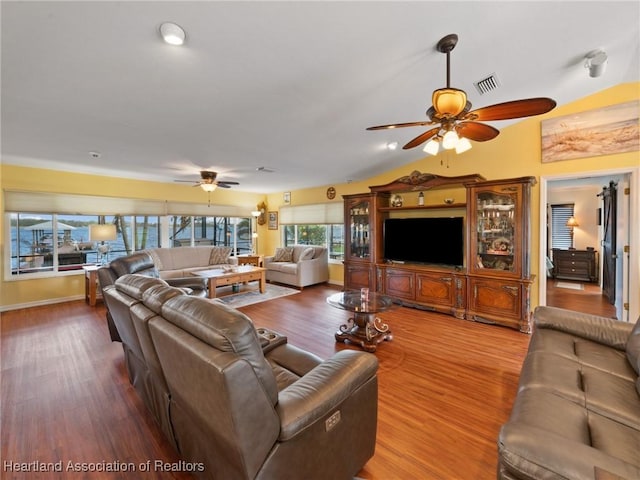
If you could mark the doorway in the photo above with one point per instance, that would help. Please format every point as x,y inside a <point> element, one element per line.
<point>585,190</point>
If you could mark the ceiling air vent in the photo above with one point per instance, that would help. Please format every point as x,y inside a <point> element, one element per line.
<point>487,84</point>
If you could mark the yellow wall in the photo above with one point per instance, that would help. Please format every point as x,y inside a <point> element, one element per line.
<point>514,153</point>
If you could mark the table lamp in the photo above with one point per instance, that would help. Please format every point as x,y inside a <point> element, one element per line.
<point>103,233</point>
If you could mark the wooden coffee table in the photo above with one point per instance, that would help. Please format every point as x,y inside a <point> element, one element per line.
<point>217,277</point>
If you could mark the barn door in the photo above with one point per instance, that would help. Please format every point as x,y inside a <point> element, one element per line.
<point>609,195</point>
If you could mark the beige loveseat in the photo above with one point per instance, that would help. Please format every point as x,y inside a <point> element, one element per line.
<point>299,265</point>
<point>180,262</point>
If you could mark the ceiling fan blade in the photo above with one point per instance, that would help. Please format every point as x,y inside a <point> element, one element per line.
<point>220,183</point>
<point>223,185</point>
<point>421,138</point>
<point>401,125</point>
<point>478,132</point>
<point>514,109</point>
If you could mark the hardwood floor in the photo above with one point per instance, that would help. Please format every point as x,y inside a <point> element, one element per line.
<point>584,297</point>
<point>446,386</point>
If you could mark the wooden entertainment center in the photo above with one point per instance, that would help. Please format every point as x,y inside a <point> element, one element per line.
<point>493,285</point>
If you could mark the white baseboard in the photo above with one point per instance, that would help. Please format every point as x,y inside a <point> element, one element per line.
<point>40,303</point>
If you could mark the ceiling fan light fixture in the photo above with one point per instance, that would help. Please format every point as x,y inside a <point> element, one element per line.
<point>449,101</point>
<point>450,140</point>
<point>432,147</point>
<point>208,187</point>
<point>172,33</point>
<point>463,145</point>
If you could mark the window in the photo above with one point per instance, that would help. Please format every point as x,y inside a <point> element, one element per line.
<point>316,224</point>
<point>228,231</point>
<point>49,244</point>
<point>561,235</point>
<point>61,242</point>
<point>330,236</point>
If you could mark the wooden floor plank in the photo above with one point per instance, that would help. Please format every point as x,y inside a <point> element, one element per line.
<point>446,386</point>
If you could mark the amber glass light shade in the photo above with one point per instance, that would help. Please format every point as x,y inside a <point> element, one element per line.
<point>449,101</point>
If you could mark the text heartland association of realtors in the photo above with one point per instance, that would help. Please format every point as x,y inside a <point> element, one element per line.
<point>114,466</point>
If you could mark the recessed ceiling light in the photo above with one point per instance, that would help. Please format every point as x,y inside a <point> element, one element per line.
<point>172,33</point>
<point>392,145</point>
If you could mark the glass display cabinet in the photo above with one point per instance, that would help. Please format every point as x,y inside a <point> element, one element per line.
<point>359,229</point>
<point>498,263</point>
<point>359,257</point>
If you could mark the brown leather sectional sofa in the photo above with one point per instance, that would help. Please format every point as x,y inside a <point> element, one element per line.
<point>240,402</point>
<point>577,411</point>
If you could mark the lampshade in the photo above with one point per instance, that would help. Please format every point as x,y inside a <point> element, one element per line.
<point>572,222</point>
<point>256,213</point>
<point>208,187</point>
<point>463,145</point>
<point>432,147</point>
<point>449,101</point>
<point>450,140</point>
<point>102,232</point>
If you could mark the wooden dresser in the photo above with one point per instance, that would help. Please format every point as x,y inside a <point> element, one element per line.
<point>575,265</point>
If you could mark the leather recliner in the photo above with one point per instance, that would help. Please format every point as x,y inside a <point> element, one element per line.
<point>240,413</point>
<point>141,263</point>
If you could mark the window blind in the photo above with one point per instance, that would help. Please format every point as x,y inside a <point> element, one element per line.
<point>44,202</point>
<point>315,214</point>
<point>73,204</point>
<point>561,235</point>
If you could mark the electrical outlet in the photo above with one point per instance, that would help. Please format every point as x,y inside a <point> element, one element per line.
<point>332,421</point>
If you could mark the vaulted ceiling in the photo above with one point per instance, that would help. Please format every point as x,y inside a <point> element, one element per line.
<point>277,95</point>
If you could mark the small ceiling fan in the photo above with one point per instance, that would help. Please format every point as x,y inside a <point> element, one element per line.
<point>208,181</point>
<point>454,120</point>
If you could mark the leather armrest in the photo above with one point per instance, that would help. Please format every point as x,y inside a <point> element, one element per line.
<point>321,390</point>
<point>606,331</point>
<point>195,283</point>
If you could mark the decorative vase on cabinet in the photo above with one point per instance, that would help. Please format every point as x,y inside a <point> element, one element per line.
<point>498,252</point>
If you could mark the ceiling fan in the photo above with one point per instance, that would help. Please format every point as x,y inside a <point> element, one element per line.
<point>208,181</point>
<point>455,122</point>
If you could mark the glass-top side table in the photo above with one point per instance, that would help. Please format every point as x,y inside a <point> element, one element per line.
<point>364,328</point>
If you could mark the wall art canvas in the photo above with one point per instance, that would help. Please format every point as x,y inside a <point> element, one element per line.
<point>602,131</point>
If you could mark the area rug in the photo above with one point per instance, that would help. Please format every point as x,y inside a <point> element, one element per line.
<point>571,286</point>
<point>253,295</point>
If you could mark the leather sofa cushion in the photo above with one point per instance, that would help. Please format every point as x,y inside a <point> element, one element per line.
<point>225,329</point>
<point>155,296</point>
<point>135,285</point>
<point>136,263</point>
<point>633,348</point>
<point>550,437</point>
<point>581,350</point>
<point>594,389</point>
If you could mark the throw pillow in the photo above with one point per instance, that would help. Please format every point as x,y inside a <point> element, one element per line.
<point>219,255</point>
<point>307,254</point>
<point>284,254</point>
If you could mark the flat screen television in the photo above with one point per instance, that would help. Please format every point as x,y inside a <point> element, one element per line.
<point>437,240</point>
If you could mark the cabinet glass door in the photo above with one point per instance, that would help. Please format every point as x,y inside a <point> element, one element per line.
<point>495,231</point>
<point>360,229</point>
